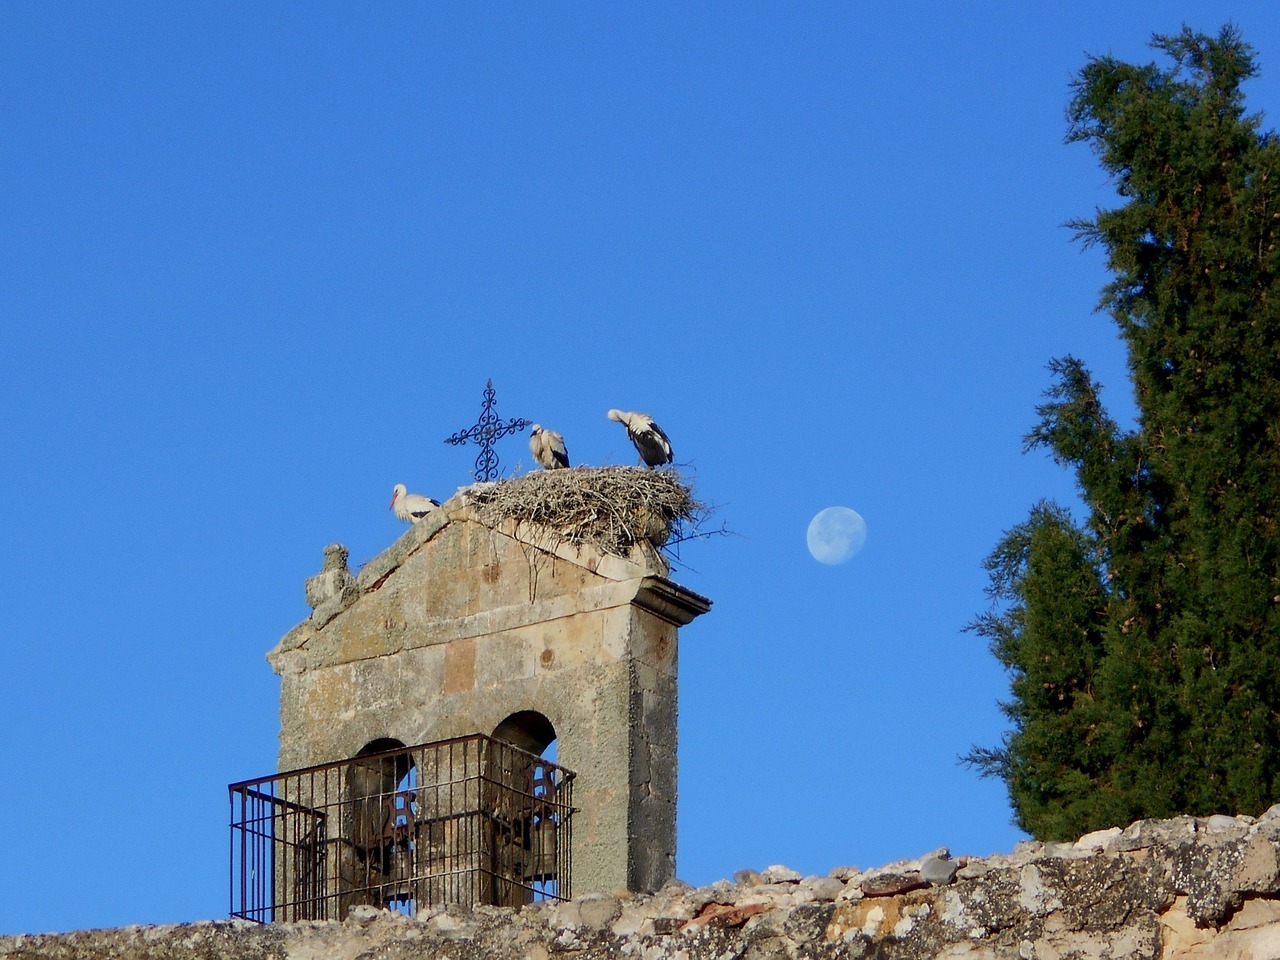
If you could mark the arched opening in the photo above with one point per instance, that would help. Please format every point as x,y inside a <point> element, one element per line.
<point>528,730</point>
<point>536,836</point>
<point>533,733</point>
<point>377,773</point>
<point>397,765</point>
<point>382,782</point>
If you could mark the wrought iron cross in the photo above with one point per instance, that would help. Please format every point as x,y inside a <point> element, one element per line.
<point>485,432</point>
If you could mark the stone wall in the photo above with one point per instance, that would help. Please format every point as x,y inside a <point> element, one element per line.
<point>1184,888</point>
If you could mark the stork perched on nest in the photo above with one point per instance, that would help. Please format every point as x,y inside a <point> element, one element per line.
<point>651,443</point>
<point>411,506</point>
<point>548,448</point>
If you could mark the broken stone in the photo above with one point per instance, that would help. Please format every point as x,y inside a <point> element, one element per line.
<point>938,870</point>
<point>893,884</point>
<point>364,913</point>
<point>1218,823</point>
<point>822,889</point>
<point>780,874</point>
<point>334,582</point>
<point>591,912</point>
<point>726,914</point>
<point>1097,840</point>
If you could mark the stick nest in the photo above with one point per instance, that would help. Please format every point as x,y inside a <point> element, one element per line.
<point>612,508</point>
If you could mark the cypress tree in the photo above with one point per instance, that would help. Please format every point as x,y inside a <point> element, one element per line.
<point>1143,641</point>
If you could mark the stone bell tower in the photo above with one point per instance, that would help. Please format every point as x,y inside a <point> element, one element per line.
<point>478,623</point>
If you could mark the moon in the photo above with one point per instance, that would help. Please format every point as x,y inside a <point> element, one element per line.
<point>836,534</point>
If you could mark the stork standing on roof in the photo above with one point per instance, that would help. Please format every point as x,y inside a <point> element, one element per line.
<point>411,506</point>
<point>548,448</point>
<point>651,443</point>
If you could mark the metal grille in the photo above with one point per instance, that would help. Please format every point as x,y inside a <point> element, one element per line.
<point>470,820</point>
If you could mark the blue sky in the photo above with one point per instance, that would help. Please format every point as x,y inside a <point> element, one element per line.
<point>258,259</point>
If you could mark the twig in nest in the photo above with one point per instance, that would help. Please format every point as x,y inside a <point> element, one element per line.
<point>612,508</point>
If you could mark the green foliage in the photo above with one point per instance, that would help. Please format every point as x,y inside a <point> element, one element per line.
<point>1144,642</point>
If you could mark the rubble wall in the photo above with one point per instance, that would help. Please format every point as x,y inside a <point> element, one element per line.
<point>1184,888</point>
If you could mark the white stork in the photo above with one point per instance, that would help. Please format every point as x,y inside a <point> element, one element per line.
<point>651,443</point>
<point>548,448</point>
<point>411,506</point>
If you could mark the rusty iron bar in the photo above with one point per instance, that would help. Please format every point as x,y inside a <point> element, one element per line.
<point>468,820</point>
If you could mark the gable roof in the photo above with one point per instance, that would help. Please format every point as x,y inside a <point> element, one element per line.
<point>608,521</point>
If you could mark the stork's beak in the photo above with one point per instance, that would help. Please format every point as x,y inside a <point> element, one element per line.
<point>393,503</point>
